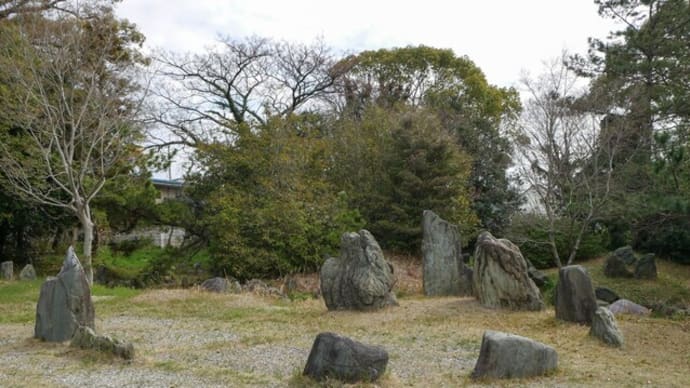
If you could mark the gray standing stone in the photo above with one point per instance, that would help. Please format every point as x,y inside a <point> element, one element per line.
<point>337,357</point>
<point>444,273</point>
<point>626,254</point>
<point>604,327</point>
<point>85,338</point>
<point>500,276</point>
<point>221,285</point>
<point>624,306</point>
<point>614,267</point>
<point>606,294</point>
<point>646,267</point>
<point>64,303</point>
<point>27,273</point>
<point>361,278</point>
<point>504,356</point>
<point>7,269</point>
<point>575,300</point>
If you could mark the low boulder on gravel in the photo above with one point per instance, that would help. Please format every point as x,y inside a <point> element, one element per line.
<point>360,278</point>
<point>604,328</point>
<point>505,356</point>
<point>221,285</point>
<point>85,338</point>
<point>64,303</point>
<point>336,357</point>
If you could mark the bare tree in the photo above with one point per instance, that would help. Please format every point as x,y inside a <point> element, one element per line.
<point>9,8</point>
<point>235,86</point>
<point>69,105</point>
<point>564,156</point>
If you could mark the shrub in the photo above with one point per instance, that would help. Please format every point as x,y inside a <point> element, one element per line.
<point>530,233</point>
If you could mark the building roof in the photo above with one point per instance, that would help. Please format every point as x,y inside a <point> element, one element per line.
<point>176,183</point>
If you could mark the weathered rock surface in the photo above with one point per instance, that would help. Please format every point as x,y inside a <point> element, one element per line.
<point>500,276</point>
<point>626,254</point>
<point>7,270</point>
<point>85,338</point>
<point>624,306</point>
<point>645,268</point>
<point>606,294</point>
<point>337,357</point>
<point>575,300</point>
<point>504,355</point>
<point>615,267</point>
<point>221,285</point>
<point>64,303</point>
<point>444,271</point>
<point>361,278</point>
<point>27,273</point>
<point>604,327</point>
<point>536,275</point>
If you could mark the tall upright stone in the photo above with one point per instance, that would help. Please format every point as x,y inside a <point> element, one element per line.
<point>500,276</point>
<point>64,303</point>
<point>7,269</point>
<point>361,278</point>
<point>575,300</point>
<point>444,271</point>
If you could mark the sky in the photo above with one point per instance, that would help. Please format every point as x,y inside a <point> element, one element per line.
<point>503,37</point>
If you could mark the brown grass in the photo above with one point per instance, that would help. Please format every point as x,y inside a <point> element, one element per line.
<point>248,340</point>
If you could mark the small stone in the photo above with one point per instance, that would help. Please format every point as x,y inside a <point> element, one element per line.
<point>624,306</point>
<point>85,338</point>
<point>646,267</point>
<point>606,294</point>
<point>221,285</point>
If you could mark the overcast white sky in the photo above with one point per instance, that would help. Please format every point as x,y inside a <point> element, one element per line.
<point>502,37</point>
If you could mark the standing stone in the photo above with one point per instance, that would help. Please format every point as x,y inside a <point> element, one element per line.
<point>604,327</point>
<point>575,300</point>
<point>500,276</point>
<point>445,273</point>
<point>626,254</point>
<point>361,278</point>
<point>614,267</point>
<point>333,356</point>
<point>504,356</point>
<point>646,267</point>
<point>27,273</point>
<point>64,303</point>
<point>7,269</point>
<point>606,294</point>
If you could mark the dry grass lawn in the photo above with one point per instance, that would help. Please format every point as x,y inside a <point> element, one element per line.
<point>189,338</point>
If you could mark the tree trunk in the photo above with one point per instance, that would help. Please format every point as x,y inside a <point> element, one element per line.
<point>87,227</point>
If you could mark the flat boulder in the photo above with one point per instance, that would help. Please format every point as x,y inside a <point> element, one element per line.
<point>7,270</point>
<point>360,278</point>
<point>604,328</point>
<point>606,294</point>
<point>575,300</point>
<point>335,357</point>
<point>221,285</point>
<point>444,272</point>
<point>500,277</point>
<point>85,338</point>
<point>64,303</point>
<point>645,268</point>
<point>624,306</point>
<point>27,273</point>
<point>505,356</point>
